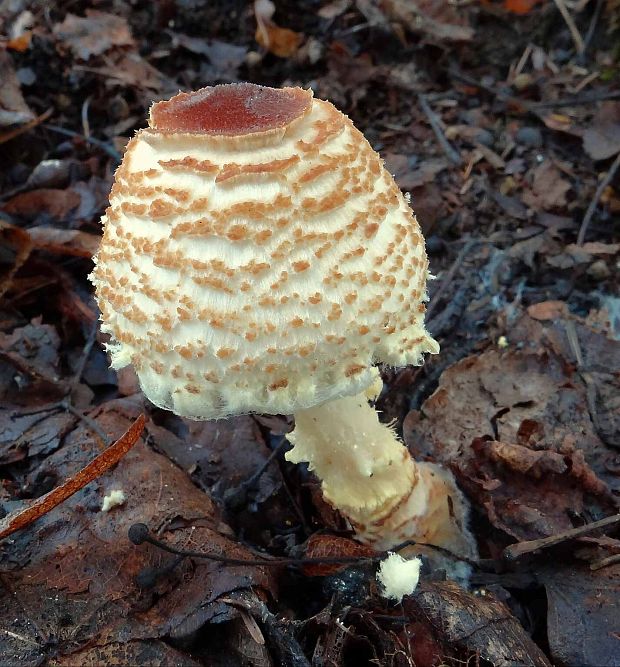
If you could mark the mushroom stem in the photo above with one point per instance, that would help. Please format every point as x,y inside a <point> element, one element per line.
<point>370,477</point>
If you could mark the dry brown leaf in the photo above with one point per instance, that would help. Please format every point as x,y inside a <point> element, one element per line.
<point>93,34</point>
<point>435,19</point>
<point>56,203</point>
<point>15,246</point>
<point>21,519</point>
<point>332,546</point>
<point>575,254</point>
<point>549,188</point>
<point>78,565</point>
<point>281,42</point>
<point>548,310</point>
<point>602,139</point>
<point>582,614</point>
<point>13,107</point>
<point>65,241</point>
<point>522,429</point>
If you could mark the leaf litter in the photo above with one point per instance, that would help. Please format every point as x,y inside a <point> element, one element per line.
<point>505,138</point>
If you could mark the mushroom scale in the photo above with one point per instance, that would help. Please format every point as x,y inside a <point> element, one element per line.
<point>258,269</point>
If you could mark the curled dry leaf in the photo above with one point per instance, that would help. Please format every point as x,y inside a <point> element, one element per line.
<point>524,430</point>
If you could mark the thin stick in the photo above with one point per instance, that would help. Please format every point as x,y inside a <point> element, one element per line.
<point>579,100</point>
<point>139,534</point>
<point>597,195</point>
<point>605,562</point>
<point>435,124</point>
<point>449,276</point>
<point>577,39</point>
<point>592,27</point>
<point>515,551</point>
<point>17,520</point>
<point>113,153</point>
<point>7,136</point>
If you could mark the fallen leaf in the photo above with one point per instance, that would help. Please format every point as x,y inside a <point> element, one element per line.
<point>548,310</point>
<point>520,7</point>
<point>582,618</point>
<point>36,345</point>
<point>13,107</point>
<point>333,9</point>
<point>602,139</point>
<point>575,254</point>
<point>222,455</point>
<point>332,546</point>
<point>282,42</point>
<point>20,519</point>
<point>15,247</point>
<point>435,19</point>
<point>65,241</point>
<point>549,188</point>
<point>518,427</point>
<point>410,178</point>
<point>53,202</point>
<point>225,58</point>
<point>93,34</point>
<point>131,70</point>
<point>77,567</point>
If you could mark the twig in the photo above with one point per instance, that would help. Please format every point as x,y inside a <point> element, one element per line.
<point>597,195</point>
<point>450,276</point>
<point>88,346</point>
<point>592,27</point>
<point>577,39</point>
<point>579,100</point>
<point>139,533</point>
<point>11,134</point>
<point>532,107</point>
<point>605,562</point>
<point>435,124</point>
<point>90,423</point>
<point>112,455</point>
<point>515,551</point>
<point>112,152</point>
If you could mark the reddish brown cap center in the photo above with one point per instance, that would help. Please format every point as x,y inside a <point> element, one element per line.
<point>230,109</point>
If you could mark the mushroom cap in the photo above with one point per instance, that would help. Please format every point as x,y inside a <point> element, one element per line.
<point>257,256</point>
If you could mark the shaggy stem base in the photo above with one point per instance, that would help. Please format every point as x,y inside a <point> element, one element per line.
<point>370,477</point>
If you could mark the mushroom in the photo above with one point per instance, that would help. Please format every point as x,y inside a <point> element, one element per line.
<point>258,258</point>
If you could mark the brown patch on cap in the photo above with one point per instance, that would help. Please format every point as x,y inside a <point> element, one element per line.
<point>230,109</point>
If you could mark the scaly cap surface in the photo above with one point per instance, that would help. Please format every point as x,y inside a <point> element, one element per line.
<point>257,256</point>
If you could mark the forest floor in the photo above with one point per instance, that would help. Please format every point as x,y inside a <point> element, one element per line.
<point>503,122</point>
